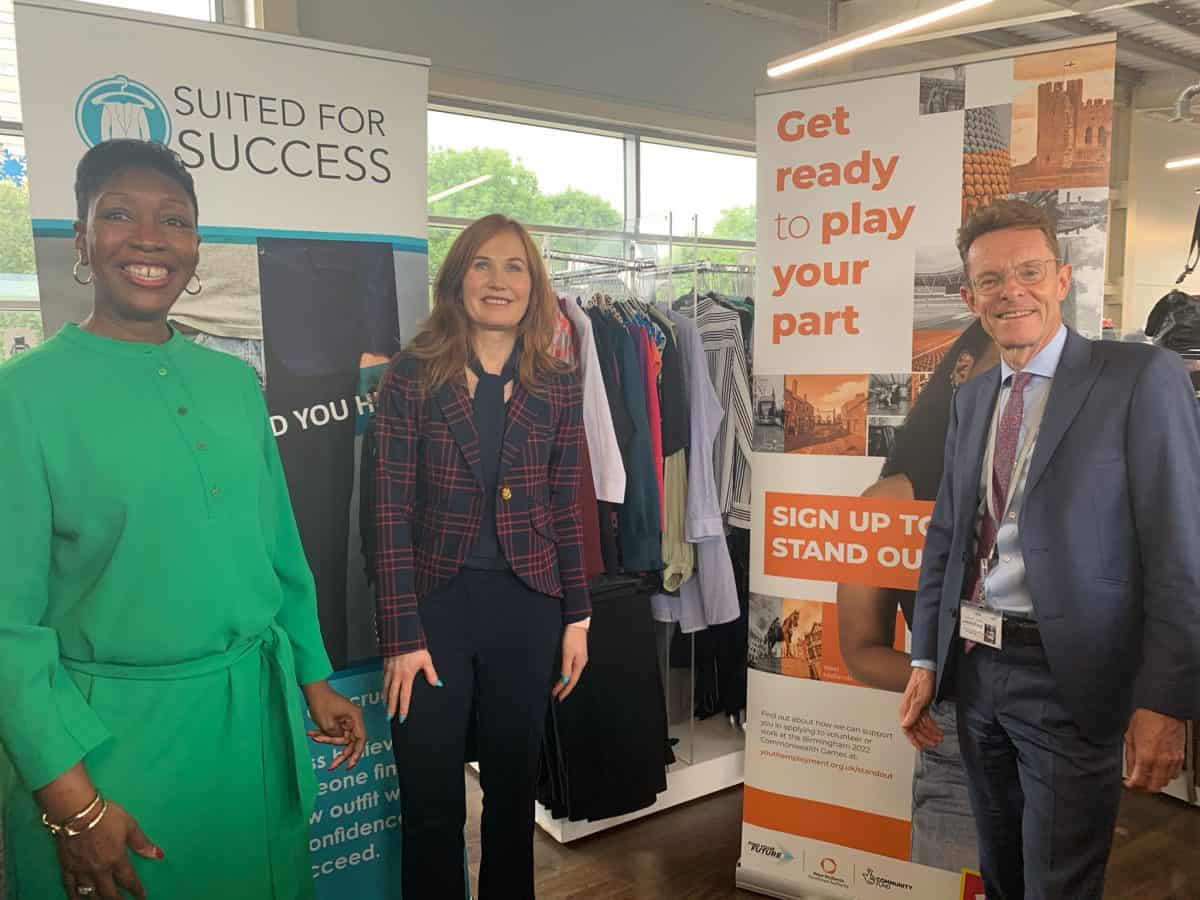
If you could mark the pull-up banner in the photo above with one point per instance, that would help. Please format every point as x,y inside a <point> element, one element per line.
<point>861,338</point>
<point>310,167</point>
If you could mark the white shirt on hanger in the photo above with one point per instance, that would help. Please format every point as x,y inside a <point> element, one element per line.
<point>608,471</point>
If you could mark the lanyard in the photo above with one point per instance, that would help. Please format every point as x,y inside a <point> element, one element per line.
<point>1020,465</point>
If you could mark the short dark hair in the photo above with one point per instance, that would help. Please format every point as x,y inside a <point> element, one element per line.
<point>1001,214</point>
<point>106,159</point>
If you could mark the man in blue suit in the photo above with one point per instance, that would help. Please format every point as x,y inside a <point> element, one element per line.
<point>1059,598</point>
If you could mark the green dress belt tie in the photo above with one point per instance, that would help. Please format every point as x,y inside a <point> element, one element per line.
<point>281,722</point>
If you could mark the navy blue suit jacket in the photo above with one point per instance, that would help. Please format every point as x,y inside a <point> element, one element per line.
<point>1110,532</point>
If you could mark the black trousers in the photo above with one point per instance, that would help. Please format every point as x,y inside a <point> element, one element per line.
<point>319,464</point>
<point>1044,795</point>
<point>494,643</point>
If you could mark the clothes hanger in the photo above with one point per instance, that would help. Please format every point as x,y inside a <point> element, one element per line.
<point>102,99</point>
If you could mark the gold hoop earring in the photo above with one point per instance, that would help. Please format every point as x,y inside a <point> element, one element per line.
<point>199,286</point>
<point>75,270</point>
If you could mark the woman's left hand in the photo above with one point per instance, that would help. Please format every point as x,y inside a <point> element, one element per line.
<point>339,722</point>
<point>574,660</point>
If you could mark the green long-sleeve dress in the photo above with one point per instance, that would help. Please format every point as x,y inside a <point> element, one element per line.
<point>156,614</point>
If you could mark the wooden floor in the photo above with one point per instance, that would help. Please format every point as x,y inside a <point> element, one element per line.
<point>691,852</point>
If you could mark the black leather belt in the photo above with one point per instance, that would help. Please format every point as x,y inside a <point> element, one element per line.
<point>1020,631</point>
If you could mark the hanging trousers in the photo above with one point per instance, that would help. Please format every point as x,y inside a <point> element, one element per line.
<point>495,644</point>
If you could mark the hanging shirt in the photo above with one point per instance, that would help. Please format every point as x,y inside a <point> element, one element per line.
<point>588,510</point>
<point>638,517</point>
<point>679,557</point>
<point>725,349</point>
<point>608,471</point>
<point>650,367</point>
<point>673,397</point>
<point>709,598</point>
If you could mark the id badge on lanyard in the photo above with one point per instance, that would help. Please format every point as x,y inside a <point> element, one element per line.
<point>978,623</point>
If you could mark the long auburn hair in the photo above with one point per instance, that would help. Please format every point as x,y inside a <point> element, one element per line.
<point>443,343</point>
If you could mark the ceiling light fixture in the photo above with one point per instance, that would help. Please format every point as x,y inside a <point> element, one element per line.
<point>842,46</point>
<point>1186,163</point>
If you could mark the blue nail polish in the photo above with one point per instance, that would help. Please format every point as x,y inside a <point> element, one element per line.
<point>439,683</point>
<point>566,679</point>
<point>402,718</point>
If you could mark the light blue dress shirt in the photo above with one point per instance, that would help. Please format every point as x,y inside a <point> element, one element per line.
<point>1007,589</point>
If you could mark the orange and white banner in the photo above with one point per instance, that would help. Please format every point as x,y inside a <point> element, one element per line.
<point>861,337</point>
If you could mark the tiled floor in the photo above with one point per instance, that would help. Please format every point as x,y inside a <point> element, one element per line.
<point>691,852</point>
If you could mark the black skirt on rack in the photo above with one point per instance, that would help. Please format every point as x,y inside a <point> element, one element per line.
<point>605,749</point>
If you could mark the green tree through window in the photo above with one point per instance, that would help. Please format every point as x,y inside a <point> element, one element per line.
<point>16,233</point>
<point>512,190</point>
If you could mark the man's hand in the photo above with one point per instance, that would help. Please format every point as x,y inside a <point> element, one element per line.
<point>922,732</point>
<point>1154,750</point>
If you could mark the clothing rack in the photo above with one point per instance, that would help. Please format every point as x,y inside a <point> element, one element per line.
<point>600,267</point>
<point>710,753</point>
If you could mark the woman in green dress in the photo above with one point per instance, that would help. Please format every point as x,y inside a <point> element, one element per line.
<point>156,609</point>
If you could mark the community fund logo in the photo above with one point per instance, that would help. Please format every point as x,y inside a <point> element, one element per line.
<point>776,853</point>
<point>120,107</point>
<point>829,872</point>
<point>883,883</point>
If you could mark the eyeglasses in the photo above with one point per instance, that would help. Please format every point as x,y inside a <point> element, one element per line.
<point>1027,273</point>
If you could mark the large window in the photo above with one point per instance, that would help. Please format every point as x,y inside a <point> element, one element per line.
<point>546,175</point>
<point>718,187</point>
<point>586,192</point>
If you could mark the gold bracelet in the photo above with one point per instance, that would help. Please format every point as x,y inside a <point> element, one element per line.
<point>72,831</point>
<point>55,829</point>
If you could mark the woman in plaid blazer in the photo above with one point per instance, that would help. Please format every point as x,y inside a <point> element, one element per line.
<point>480,583</point>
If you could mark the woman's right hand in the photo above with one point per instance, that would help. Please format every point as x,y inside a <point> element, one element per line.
<point>99,858</point>
<point>398,675</point>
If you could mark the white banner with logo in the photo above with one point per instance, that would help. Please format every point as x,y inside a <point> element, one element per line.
<point>310,167</point>
<point>861,338</point>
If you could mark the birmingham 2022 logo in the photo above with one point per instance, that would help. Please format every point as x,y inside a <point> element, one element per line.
<point>120,107</point>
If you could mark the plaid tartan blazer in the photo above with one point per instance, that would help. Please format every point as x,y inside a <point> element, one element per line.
<point>428,495</point>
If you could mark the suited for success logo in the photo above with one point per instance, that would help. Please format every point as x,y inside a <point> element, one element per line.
<point>776,853</point>
<point>120,107</point>
<point>873,878</point>
<point>828,872</point>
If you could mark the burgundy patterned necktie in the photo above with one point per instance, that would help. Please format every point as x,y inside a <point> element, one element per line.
<point>1008,436</point>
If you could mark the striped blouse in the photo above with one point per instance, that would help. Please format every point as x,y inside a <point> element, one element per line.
<point>724,346</point>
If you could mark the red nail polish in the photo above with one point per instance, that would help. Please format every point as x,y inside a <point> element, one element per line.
<point>158,854</point>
